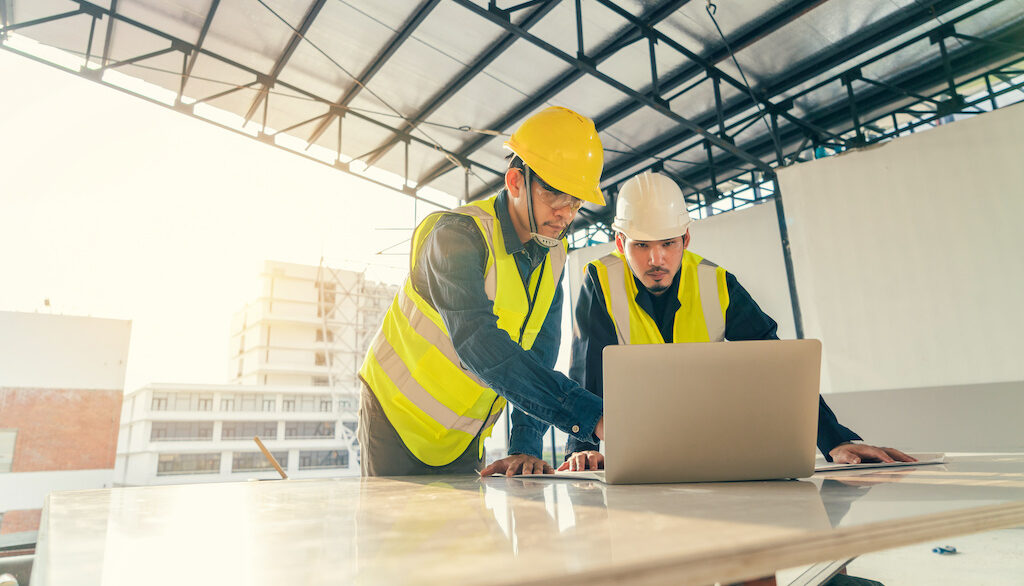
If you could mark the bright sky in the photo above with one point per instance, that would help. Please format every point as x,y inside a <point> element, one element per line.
<point>111,206</point>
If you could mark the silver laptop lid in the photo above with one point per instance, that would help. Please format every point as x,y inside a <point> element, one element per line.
<point>711,412</point>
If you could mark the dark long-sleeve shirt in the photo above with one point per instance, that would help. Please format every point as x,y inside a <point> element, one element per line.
<point>744,320</point>
<point>449,275</point>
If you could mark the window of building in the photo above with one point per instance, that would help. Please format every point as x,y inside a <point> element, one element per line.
<point>351,425</point>
<point>256,461</point>
<point>307,403</point>
<point>227,403</point>
<point>326,404</point>
<point>288,405</point>
<point>249,402</point>
<point>320,359</point>
<point>245,430</point>
<point>162,431</point>
<point>159,402</point>
<point>308,429</point>
<point>320,335</point>
<point>269,404</point>
<point>321,381</point>
<point>169,464</point>
<point>8,438</point>
<point>183,402</point>
<point>314,459</point>
<point>205,403</point>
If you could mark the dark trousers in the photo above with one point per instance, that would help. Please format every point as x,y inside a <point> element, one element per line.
<point>382,452</point>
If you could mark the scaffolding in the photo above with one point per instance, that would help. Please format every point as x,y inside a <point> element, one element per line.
<point>350,308</point>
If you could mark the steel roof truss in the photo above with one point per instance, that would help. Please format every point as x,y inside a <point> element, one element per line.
<point>375,65</point>
<point>478,65</point>
<point>630,35</point>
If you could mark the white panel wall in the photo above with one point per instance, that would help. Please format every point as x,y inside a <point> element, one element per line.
<point>907,256</point>
<point>91,352</point>
<point>27,490</point>
<point>747,244</point>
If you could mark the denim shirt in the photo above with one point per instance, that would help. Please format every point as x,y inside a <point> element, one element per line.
<point>449,275</point>
<point>744,320</point>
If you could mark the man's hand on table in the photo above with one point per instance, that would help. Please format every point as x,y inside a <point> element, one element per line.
<point>857,453</point>
<point>588,460</point>
<point>518,464</point>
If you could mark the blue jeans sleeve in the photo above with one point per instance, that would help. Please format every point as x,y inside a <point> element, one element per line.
<point>594,331</point>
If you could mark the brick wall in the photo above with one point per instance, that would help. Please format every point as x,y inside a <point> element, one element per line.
<point>61,429</point>
<point>18,521</point>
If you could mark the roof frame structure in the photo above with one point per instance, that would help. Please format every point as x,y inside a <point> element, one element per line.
<point>714,152</point>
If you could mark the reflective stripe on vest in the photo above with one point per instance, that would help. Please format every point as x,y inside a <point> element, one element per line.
<point>432,401</point>
<point>700,281</point>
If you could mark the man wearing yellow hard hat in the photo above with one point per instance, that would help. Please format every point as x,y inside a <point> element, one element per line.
<point>652,290</point>
<point>477,322</point>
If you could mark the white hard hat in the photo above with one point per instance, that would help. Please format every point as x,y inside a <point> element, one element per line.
<point>650,206</point>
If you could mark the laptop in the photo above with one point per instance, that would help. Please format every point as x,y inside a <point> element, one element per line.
<point>709,412</point>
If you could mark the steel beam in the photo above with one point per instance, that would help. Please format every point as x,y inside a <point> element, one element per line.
<point>194,54</point>
<point>293,43</point>
<point>854,46</point>
<point>465,77</point>
<point>629,35</point>
<point>649,101</point>
<point>375,65</point>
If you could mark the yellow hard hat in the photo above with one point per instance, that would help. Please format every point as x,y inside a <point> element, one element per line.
<point>563,149</point>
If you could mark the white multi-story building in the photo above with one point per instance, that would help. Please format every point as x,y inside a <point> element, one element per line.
<point>310,326</point>
<point>294,360</point>
<point>173,434</point>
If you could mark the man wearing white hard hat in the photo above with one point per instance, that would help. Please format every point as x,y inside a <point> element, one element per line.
<point>653,290</point>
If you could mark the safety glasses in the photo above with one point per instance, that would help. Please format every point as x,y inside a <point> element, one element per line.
<point>555,199</point>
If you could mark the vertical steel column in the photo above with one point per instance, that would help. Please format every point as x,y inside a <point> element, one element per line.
<point>787,255</point>
<point>848,78</point>
<point>716,81</point>
<point>714,180</point>
<point>991,94</point>
<point>655,90</point>
<point>580,53</point>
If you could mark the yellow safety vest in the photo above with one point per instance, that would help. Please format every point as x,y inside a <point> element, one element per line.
<point>436,405</point>
<point>703,299</point>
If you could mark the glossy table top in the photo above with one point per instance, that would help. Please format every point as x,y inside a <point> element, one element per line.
<point>464,530</point>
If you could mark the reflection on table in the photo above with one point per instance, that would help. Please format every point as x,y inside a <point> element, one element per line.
<point>499,530</point>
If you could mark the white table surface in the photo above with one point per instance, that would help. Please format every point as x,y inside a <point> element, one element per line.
<point>467,530</point>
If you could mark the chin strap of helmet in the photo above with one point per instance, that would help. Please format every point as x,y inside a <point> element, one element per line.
<point>545,241</point>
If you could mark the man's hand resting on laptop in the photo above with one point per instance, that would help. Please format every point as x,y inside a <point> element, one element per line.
<point>518,464</point>
<point>588,460</point>
<point>857,453</point>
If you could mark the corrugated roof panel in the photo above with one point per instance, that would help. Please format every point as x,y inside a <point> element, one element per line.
<point>180,18</point>
<point>456,33</point>
<point>285,108</point>
<point>211,76</point>
<point>251,35</point>
<point>589,96</point>
<point>483,101</point>
<point>336,49</point>
<point>558,27</point>
<point>526,70</point>
<point>70,34</point>
<point>316,73</point>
